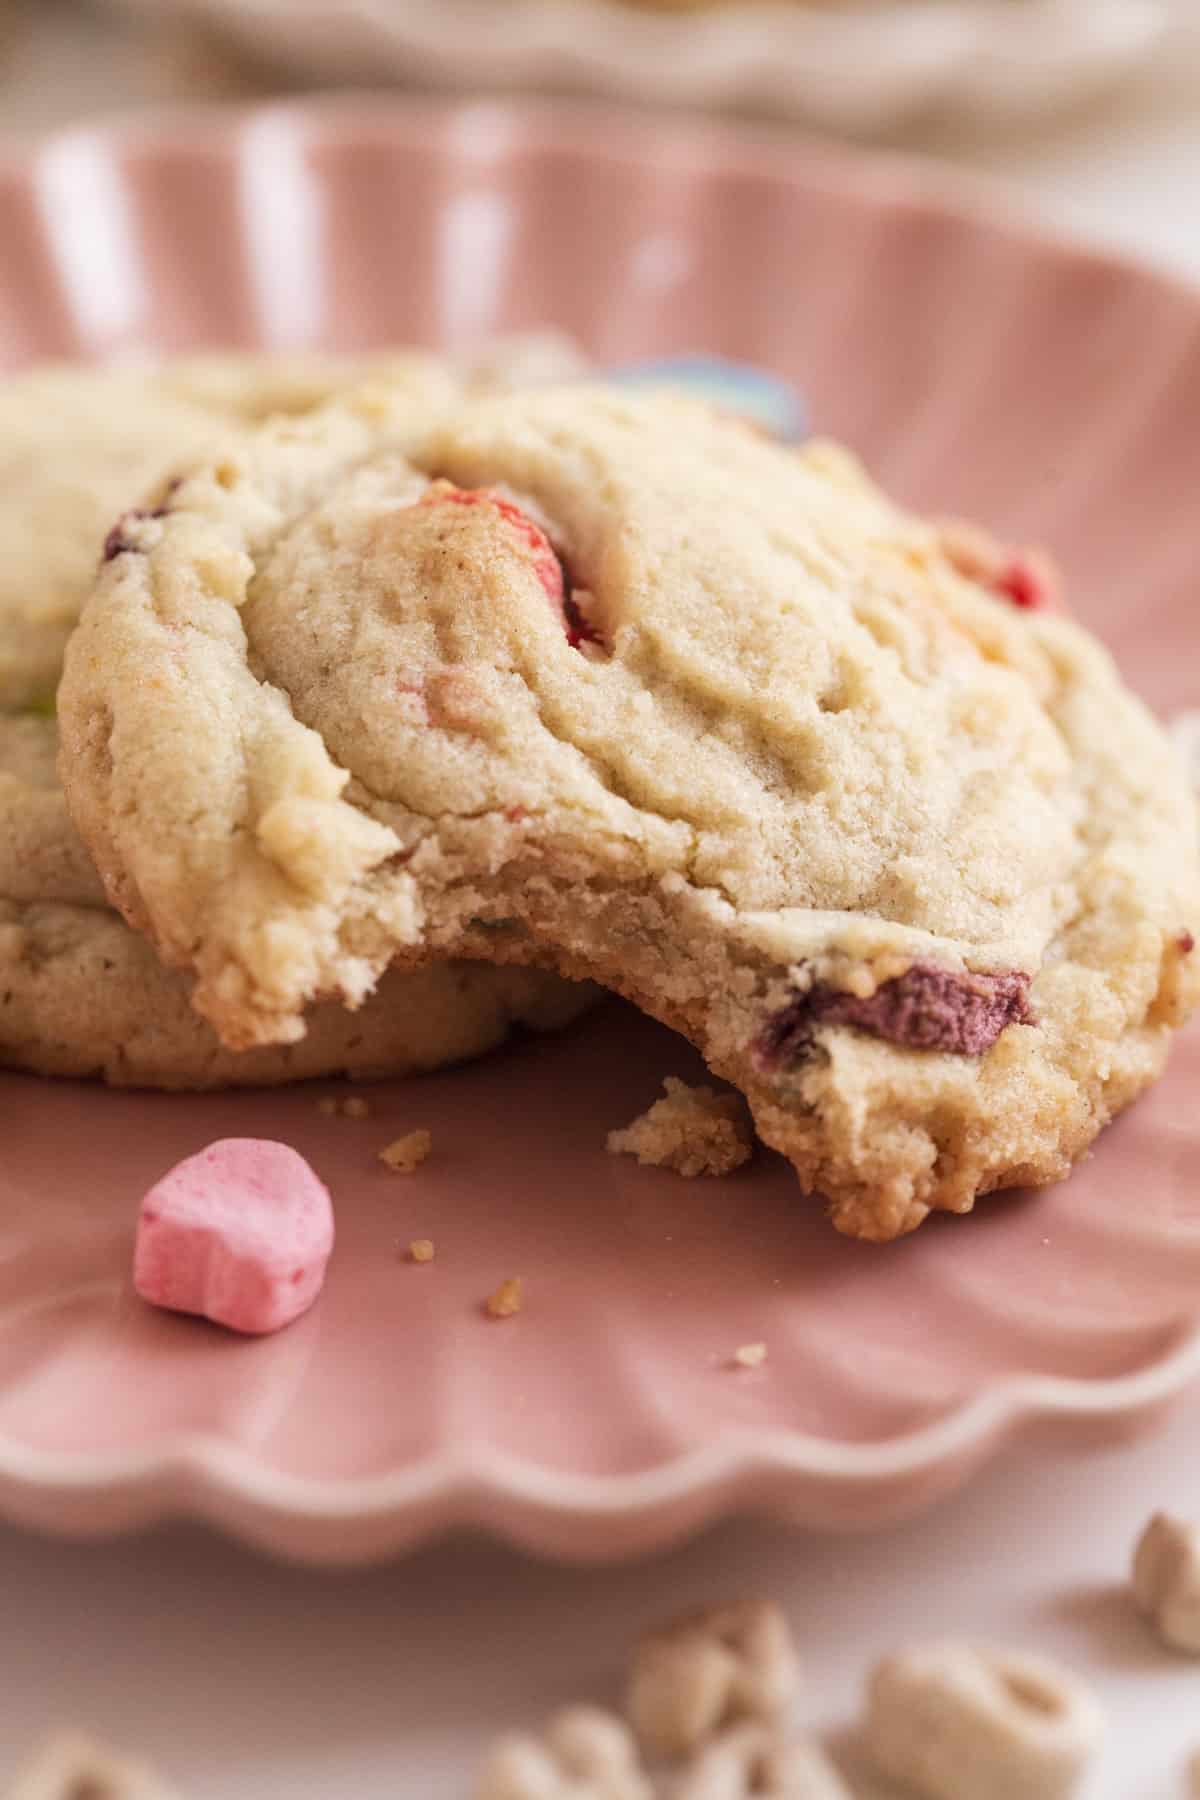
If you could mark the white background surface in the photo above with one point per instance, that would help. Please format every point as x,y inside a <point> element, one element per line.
<point>248,1681</point>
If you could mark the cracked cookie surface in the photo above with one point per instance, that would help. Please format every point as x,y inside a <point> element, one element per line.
<point>664,705</point>
<point>83,995</point>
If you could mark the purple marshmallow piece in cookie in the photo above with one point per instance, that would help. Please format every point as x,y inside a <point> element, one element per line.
<point>926,1008</point>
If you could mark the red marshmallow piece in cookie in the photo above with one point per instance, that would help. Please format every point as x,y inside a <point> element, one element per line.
<point>532,537</point>
<point>547,564</point>
<point>1026,578</point>
<point>1031,581</point>
<point>240,1233</point>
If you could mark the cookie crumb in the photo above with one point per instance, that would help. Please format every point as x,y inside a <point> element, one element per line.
<point>421,1250</point>
<point>693,1130</point>
<point>506,1301</point>
<point>354,1106</point>
<point>407,1153</point>
<point>750,1356</point>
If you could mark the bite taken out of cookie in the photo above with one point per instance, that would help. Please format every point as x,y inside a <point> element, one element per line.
<point>605,682</point>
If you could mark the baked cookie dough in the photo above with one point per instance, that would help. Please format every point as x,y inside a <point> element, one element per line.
<point>603,682</point>
<point>78,444</point>
<point>693,1130</point>
<point>83,995</point>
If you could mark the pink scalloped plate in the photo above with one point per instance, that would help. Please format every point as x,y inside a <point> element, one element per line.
<point>1047,391</point>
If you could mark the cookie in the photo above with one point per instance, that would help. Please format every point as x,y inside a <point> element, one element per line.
<point>82,995</point>
<point>79,444</point>
<point>604,682</point>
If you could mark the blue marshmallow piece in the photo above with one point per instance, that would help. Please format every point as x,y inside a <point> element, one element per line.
<point>738,387</point>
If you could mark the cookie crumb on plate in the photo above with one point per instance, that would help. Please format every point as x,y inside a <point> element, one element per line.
<point>421,1250</point>
<point>354,1106</point>
<point>750,1356</point>
<point>407,1153</point>
<point>693,1130</point>
<point>506,1301</point>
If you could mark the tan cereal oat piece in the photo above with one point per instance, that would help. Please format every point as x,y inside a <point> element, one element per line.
<point>421,1250</point>
<point>693,1130</point>
<point>750,1356</point>
<point>1166,1580</point>
<point>953,1722</point>
<point>750,1762</point>
<point>696,1676</point>
<point>583,1754</point>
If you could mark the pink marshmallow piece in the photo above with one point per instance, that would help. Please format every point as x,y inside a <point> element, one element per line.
<point>240,1233</point>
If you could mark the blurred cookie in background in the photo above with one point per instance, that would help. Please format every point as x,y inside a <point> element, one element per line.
<point>859,67</point>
